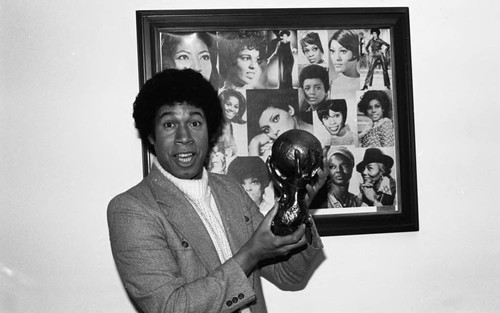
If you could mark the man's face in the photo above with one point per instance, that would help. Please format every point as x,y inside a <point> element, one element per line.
<point>372,173</point>
<point>181,140</point>
<point>254,189</point>
<point>333,122</point>
<point>340,170</point>
<point>314,91</point>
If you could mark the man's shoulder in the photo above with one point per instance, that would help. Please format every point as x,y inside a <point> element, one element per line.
<point>135,194</point>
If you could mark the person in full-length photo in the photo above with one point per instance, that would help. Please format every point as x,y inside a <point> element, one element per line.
<point>377,49</point>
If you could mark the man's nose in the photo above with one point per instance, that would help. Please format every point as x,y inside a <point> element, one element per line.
<point>183,135</point>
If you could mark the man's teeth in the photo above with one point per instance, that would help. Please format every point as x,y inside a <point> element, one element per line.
<point>185,157</point>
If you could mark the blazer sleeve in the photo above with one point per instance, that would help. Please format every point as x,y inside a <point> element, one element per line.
<point>152,275</point>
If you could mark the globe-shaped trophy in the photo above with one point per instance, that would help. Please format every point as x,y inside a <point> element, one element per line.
<point>296,158</point>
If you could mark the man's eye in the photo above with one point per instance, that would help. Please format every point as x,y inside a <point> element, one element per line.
<point>196,123</point>
<point>168,125</point>
<point>276,119</point>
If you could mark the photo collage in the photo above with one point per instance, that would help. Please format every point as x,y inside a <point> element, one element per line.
<point>333,83</point>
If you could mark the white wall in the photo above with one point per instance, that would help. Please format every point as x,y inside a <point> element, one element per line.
<point>67,145</point>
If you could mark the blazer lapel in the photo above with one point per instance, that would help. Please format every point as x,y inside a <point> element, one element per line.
<point>231,214</point>
<point>181,214</point>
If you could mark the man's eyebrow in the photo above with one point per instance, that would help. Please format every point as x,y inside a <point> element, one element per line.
<point>201,114</point>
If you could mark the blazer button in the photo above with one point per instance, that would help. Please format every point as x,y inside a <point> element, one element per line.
<point>229,303</point>
<point>235,300</point>
<point>247,218</point>
<point>241,296</point>
<point>185,244</point>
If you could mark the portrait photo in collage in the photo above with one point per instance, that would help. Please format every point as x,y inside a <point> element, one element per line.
<point>333,83</point>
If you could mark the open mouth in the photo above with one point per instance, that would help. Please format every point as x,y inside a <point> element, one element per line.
<point>185,158</point>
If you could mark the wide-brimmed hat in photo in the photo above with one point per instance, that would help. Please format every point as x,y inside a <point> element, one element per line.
<point>374,155</point>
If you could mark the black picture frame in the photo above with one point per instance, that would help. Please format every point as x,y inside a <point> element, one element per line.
<point>396,19</point>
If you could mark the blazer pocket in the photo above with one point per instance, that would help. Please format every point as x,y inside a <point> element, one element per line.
<point>189,263</point>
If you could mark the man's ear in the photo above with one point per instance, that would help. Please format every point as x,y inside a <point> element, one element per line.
<point>291,110</point>
<point>151,139</point>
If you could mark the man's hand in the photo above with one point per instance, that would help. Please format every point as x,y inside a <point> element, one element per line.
<point>312,190</point>
<point>265,245</point>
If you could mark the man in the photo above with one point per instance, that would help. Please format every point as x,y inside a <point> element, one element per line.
<point>313,80</point>
<point>341,164</point>
<point>185,240</point>
<point>378,187</point>
<point>335,194</point>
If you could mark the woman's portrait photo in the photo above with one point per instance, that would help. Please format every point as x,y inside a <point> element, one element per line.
<point>333,116</point>
<point>242,60</point>
<point>344,54</point>
<point>197,51</point>
<point>312,47</point>
<point>251,172</point>
<point>378,187</point>
<point>234,134</point>
<point>375,124</point>
<point>271,112</point>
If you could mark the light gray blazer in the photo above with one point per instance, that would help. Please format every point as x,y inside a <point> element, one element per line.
<point>167,261</point>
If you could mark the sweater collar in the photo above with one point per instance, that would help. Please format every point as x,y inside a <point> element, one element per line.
<point>191,188</point>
